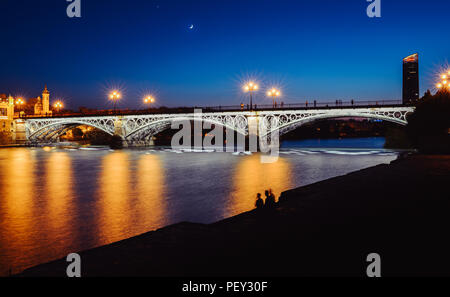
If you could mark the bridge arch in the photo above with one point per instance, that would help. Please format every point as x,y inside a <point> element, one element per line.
<point>52,128</point>
<point>289,122</point>
<point>237,124</point>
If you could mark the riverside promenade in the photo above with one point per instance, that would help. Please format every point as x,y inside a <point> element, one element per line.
<point>400,211</point>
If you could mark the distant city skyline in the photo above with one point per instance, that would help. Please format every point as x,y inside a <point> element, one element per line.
<point>187,53</point>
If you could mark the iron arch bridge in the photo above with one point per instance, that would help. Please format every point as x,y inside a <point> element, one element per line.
<point>139,129</point>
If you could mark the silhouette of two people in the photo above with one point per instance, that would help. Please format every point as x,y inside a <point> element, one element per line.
<point>270,200</point>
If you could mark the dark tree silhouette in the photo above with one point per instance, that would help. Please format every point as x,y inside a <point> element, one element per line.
<point>428,127</point>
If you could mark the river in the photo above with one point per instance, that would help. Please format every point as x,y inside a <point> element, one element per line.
<point>54,201</point>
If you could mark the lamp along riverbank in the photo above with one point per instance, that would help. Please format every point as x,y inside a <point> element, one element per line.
<point>399,211</point>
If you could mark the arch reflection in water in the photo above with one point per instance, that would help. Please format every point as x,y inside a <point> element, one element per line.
<point>252,176</point>
<point>130,205</point>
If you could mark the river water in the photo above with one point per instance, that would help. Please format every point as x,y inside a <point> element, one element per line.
<point>54,201</point>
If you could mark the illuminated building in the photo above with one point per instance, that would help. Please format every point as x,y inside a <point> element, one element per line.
<point>7,116</point>
<point>411,79</point>
<point>42,106</point>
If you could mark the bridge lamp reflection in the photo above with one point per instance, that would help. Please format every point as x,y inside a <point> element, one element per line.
<point>251,87</point>
<point>274,93</point>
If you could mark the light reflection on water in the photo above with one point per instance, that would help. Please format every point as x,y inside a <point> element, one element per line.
<point>56,201</point>
<point>258,177</point>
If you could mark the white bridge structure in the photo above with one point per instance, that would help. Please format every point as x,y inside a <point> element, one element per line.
<point>140,129</point>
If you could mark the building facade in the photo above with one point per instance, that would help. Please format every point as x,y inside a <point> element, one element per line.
<point>7,124</point>
<point>410,79</point>
<point>42,105</point>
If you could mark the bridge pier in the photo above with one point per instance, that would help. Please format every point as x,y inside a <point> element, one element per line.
<point>119,130</point>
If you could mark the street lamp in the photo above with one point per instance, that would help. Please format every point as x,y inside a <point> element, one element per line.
<point>114,96</point>
<point>58,105</point>
<point>274,93</point>
<point>444,84</point>
<point>20,102</point>
<point>149,100</point>
<point>251,87</point>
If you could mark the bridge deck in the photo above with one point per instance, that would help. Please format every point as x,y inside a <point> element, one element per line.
<point>224,109</point>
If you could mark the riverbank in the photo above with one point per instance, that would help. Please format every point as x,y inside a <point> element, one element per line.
<point>399,211</point>
<point>12,145</point>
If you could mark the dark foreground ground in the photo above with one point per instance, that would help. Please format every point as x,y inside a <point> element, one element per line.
<point>400,211</point>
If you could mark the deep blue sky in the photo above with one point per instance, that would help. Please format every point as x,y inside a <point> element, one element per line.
<point>316,49</point>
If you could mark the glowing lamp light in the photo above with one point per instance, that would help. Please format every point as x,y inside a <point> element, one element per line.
<point>149,99</point>
<point>274,93</point>
<point>251,86</point>
<point>115,95</point>
<point>439,86</point>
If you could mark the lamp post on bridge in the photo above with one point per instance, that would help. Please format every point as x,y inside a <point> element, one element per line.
<point>58,105</point>
<point>114,96</point>
<point>274,93</point>
<point>20,102</point>
<point>251,87</point>
<point>149,99</point>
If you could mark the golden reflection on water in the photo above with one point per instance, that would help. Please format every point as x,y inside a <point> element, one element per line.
<point>130,204</point>
<point>113,194</point>
<point>251,176</point>
<point>151,201</point>
<point>16,200</point>
<point>59,195</point>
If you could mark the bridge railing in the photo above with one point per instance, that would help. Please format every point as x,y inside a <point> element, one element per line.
<point>313,104</point>
<point>307,105</point>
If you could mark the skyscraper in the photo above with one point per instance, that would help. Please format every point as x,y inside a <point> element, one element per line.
<point>411,79</point>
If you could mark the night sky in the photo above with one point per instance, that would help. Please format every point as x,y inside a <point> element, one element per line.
<point>317,49</point>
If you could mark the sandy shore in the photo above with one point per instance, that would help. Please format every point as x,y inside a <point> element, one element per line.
<point>400,211</point>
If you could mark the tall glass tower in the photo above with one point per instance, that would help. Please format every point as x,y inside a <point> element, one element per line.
<point>411,79</point>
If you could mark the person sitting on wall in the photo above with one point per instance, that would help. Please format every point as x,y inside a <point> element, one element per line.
<point>270,199</point>
<point>259,202</point>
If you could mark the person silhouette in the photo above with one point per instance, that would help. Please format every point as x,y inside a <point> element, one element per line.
<point>270,199</point>
<point>259,202</point>
<point>271,194</point>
